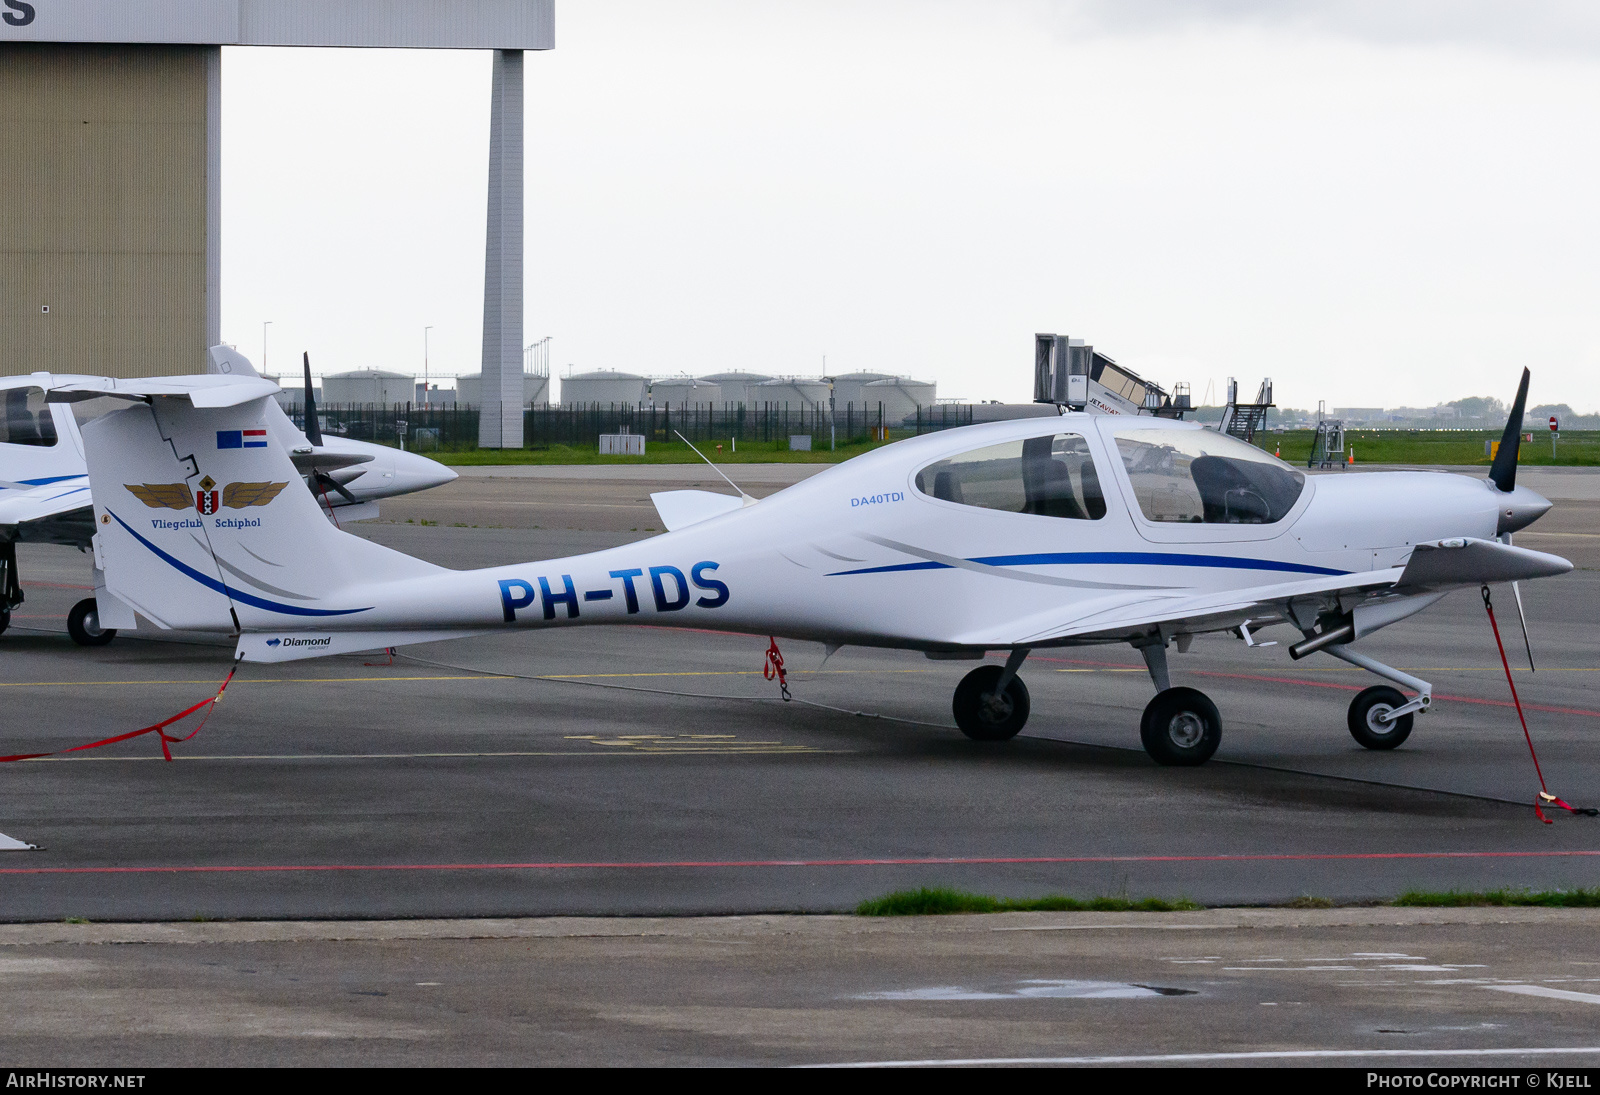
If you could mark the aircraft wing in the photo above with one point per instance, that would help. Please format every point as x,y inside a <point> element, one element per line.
<point>1132,615</point>
<point>1433,568</point>
<point>58,513</point>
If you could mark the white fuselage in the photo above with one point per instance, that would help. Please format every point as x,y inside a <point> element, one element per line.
<point>858,554</point>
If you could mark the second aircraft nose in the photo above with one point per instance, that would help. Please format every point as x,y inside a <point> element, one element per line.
<point>416,472</point>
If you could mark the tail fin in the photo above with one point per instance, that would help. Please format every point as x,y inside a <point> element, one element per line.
<point>224,360</point>
<point>203,522</point>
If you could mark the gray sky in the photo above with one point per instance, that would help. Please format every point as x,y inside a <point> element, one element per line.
<point>1373,203</point>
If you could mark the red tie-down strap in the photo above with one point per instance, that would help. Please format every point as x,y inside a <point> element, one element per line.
<point>159,728</point>
<point>774,668</point>
<point>1544,796</point>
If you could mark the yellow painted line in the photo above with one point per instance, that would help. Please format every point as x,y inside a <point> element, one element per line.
<point>421,756</point>
<point>726,673</point>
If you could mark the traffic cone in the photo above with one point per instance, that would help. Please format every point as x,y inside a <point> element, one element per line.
<point>1352,461</point>
<point>1278,452</point>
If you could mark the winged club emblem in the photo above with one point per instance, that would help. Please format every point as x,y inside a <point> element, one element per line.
<point>208,499</point>
<point>162,495</point>
<point>240,495</point>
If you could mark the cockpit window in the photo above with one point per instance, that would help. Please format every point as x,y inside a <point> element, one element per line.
<point>1202,476</point>
<point>1049,476</point>
<point>26,420</point>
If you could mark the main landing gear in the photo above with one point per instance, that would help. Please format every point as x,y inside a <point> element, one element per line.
<point>10,587</point>
<point>991,702</point>
<point>83,624</point>
<point>1181,727</point>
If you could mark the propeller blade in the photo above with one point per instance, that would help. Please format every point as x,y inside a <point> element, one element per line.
<point>313,426</point>
<point>1516,591</point>
<point>325,481</point>
<point>1503,473</point>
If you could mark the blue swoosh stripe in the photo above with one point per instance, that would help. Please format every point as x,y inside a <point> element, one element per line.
<point>1089,558</point>
<point>63,494</point>
<point>228,591</point>
<point>49,479</point>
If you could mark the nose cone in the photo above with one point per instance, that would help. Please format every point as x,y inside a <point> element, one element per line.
<point>1519,508</point>
<point>413,473</point>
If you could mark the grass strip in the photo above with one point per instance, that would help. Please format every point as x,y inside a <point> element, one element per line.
<point>1454,899</point>
<point>938,901</point>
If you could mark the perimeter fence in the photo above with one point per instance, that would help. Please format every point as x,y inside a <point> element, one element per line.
<point>454,426</point>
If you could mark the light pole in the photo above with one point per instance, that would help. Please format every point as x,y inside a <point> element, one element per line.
<point>425,331</point>
<point>264,326</point>
<point>833,433</point>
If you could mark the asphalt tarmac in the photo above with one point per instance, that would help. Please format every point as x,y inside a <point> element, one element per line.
<point>1382,989</point>
<point>651,772</point>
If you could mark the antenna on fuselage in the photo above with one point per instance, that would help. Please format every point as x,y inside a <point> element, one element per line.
<point>749,501</point>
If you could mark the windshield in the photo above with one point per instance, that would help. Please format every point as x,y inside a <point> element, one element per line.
<point>1048,476</point>
<point>1202,476</point>
<point>26,420</point>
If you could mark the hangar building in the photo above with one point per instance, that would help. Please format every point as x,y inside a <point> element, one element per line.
<point>110,147</point>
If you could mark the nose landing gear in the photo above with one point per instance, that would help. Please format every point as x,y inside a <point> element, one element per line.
<point>1372,717</point>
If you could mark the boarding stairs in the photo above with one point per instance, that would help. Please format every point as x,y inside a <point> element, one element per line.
<point>1242,420</point>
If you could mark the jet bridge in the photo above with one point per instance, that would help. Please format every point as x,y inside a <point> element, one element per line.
<point>1072,374</point>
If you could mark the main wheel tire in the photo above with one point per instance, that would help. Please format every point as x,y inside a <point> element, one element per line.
<point>1181,728</point>
<point>5,617</point>
<point>83,624</point>
<point>1369,719</point>
<point>985,716</point>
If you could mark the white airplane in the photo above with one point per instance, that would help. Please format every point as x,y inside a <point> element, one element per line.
<point>44,483</point>
<point>1011,537</point>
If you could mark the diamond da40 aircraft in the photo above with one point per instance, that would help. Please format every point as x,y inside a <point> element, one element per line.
<point>44,484</point>
<point>1005,537</point>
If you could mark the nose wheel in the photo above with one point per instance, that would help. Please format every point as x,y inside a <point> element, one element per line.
<point>985,712</point>
<point>1181,728</point>
<point>1372,720</point>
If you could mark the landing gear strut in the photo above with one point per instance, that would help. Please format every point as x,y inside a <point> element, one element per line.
<point>1181,727</point>
<point>991,702</point>
<point>10,587</point>
<point>1380,716</point>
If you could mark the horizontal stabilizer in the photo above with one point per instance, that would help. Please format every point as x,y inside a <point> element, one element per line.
<point>1446,564</point>
<point>293,646</point>
<point>200,391</point>
<point>682,508</point>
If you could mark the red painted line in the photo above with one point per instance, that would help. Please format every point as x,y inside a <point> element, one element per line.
<point>1437,695</point>
<point>937,861</point>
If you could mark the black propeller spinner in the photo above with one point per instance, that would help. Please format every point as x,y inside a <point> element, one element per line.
<point>1503,473</point>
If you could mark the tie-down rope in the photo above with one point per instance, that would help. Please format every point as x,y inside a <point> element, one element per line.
<point>1544,796</point>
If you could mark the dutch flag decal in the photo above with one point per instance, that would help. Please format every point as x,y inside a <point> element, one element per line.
<point>241,439</point>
